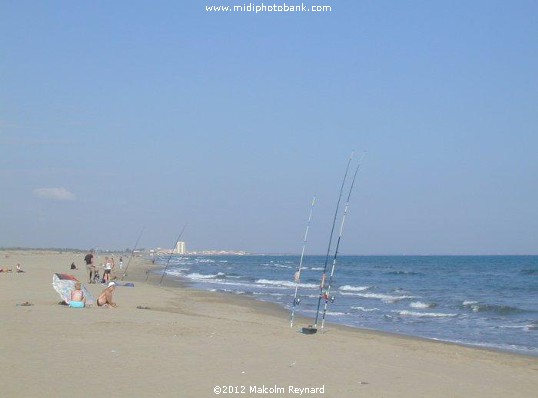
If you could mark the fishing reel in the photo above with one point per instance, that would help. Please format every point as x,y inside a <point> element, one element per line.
<point>328,298</point>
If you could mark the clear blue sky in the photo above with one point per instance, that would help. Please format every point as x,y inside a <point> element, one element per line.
<point>120,114</point>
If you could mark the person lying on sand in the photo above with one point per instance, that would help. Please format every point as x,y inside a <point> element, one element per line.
<point>6,270</point>
<point>105,299</point>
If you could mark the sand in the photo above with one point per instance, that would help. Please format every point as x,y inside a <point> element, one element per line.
<point>194,344</point>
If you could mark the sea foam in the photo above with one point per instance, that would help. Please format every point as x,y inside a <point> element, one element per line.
<point>426,314</point>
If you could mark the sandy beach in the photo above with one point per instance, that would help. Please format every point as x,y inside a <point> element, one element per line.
<point>188,343</point>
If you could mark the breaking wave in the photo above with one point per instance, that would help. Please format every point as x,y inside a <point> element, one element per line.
<point>476,306</point>
<point>285,283</point>
<point>425,314</point>
<point>348,288</point>
<point>196,275</point>
<point>421,305</point>
<point>386,298</point>
<point>365,309</point>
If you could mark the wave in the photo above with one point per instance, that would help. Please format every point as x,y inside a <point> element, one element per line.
<point>175,272</point>
<point>276,265</point>
<point>349,288</point>
<point>532,326</point>
<point>269,294</point>
<point>285,283</point>
<point>336,313</point>
<point>425,314</point>
<point>384,297</point>
<point>505,347</point>
<point>410,273</point>
<point>196,275</point>
<point>421,305</point>
<point>365,309</point>
<point>476,306</point>
<point>528,271</point>
<point>232,291</point>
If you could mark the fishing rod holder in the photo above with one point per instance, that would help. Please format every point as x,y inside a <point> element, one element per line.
<point>310,329</point>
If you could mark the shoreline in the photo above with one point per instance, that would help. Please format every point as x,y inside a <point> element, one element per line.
<point>281,312</point>
<point>187,342</point>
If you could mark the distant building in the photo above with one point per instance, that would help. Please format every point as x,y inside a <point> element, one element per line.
<point>180,248</point>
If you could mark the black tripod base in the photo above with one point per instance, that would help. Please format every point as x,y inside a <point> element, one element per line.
<point>309,330</point>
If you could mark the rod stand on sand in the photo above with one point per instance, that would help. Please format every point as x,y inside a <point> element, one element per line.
<point>310,329</point>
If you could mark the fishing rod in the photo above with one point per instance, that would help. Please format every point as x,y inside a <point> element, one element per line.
<point>312,329</point>
<point>327,294</point>
<point>132,253</point>
<point>300,267</point>
<point>172,252</point>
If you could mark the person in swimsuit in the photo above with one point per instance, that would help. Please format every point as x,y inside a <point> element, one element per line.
<point>77,294</point>
<point>105,298</point>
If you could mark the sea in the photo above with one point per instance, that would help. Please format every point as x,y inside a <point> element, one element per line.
<point>481,301</point>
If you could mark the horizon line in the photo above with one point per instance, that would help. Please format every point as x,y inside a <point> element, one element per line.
<point>272,253</point>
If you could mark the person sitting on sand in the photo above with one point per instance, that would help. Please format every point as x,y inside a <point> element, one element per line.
<point>105,299</point>
<point>77,296</point>
<point>19,269</point>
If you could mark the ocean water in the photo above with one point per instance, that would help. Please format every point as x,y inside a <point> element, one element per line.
<point>485,301</point>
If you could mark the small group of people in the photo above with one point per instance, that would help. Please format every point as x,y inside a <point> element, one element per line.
<point>78,299</point>
<point>105,299</point>
<point>108,268</point>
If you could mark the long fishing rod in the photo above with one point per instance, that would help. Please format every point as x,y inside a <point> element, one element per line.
<point>132,252</point>
<point>327,294</point>
<point>172,252</point>
<point>323,275</point>
<point>300,267</point>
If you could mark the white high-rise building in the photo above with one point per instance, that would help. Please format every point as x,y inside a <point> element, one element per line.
<point>180,248</point>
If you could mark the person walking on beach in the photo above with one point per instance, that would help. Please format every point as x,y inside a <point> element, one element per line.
<point>121,263</point>
<point>90,266</point>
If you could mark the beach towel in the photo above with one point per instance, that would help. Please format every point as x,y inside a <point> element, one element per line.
<point>64,285</point>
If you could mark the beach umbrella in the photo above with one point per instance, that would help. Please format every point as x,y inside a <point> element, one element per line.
<point>64,285</point>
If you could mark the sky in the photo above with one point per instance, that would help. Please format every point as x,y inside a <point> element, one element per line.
<point>122,115</point>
